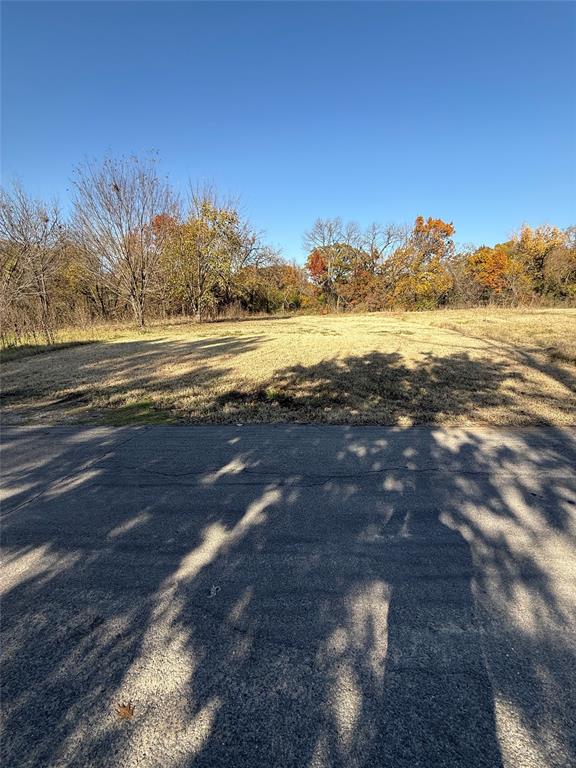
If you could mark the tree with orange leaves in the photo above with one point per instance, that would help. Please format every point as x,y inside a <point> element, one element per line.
<point>490,266</point>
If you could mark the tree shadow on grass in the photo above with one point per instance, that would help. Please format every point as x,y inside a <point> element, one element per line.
<point>541,359</point>
<point>118,378</point>
<point>380,388</point>
<point>29,350</point>
<point>374,388</point>
<point>289,595</point>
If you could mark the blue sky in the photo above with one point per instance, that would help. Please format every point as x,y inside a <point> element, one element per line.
<point>370,111</point>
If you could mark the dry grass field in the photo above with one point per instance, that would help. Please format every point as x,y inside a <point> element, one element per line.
<point>486,366</point>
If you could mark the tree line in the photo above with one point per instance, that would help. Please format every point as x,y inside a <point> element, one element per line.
<point>419,267</point>
<point>132,248</point>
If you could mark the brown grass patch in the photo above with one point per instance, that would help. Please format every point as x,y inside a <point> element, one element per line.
<point>450,367</point>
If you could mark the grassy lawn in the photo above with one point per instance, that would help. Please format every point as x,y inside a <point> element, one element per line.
<point>514,367</point>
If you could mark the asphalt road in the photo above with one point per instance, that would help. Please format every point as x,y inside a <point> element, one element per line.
<point>289,596</point>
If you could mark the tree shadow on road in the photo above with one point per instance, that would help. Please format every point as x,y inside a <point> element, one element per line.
<point>290,595</point>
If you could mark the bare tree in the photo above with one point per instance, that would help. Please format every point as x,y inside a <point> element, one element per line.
<point>115,204</point>
<point>31,243</point>
<point>327,238</point>
<point>381,240</point>
<point>324,233</point>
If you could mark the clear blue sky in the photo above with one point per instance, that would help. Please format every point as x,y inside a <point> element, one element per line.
<point>370,111</point>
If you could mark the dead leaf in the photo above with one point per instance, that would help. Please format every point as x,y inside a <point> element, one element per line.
<point>125,711</point>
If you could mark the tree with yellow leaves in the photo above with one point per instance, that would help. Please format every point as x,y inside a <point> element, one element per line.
<point>422,279</point>
<point>532,248</point>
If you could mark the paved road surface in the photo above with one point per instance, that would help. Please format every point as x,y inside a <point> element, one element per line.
<point>289,596</point>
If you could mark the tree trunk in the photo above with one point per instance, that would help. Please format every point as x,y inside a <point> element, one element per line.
<point>138,309</point>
